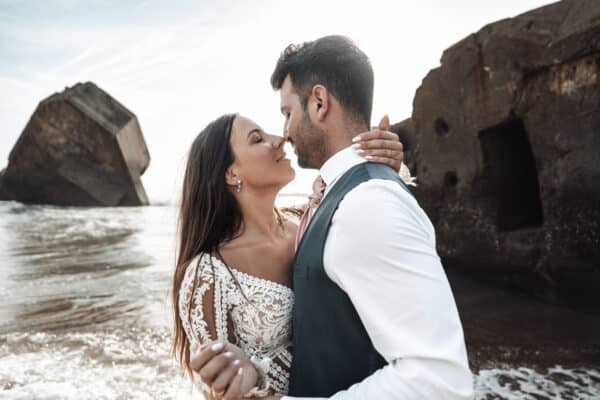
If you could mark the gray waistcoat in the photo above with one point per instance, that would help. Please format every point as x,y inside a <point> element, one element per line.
<point>332,349</point>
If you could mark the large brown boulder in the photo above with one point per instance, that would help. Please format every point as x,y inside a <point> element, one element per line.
<point>81,147</point>
<point>505,141</point>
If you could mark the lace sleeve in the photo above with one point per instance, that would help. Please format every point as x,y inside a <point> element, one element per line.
<point>203,319</point>
<point>277,376</point>
<point>274,374</point>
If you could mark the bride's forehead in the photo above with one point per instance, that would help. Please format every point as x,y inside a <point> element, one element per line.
<point>242,125</point>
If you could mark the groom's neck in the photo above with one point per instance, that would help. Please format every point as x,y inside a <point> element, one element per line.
<point>340,136</point>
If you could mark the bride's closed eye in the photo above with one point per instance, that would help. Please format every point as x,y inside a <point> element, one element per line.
<point>256,138</point>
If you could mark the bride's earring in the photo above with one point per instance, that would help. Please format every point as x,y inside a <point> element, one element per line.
<point>239,186</point>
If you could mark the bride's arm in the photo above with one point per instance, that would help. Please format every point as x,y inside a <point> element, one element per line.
<point>203,319</point>
<point>275,371</point>
<point>381,146</point>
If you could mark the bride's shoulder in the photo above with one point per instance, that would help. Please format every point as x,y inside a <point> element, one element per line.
<point>199,260</point>
<point>201,266</point>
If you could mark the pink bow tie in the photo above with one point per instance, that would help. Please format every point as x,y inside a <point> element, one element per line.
<point>313,202</point>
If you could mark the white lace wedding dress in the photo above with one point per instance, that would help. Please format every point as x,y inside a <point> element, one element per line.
<point>221,303</point>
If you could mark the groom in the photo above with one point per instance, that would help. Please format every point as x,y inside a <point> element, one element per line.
<point>374,316</point>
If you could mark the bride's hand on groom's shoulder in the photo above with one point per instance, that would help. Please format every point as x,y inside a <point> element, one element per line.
<point>225,369</point>
<point>380,145</point>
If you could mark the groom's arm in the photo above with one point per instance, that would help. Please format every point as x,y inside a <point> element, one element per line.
<point>381,251</point>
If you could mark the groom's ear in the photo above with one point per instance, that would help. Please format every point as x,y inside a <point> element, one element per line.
<point>320,101</point>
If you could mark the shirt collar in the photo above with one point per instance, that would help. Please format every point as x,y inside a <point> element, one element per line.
<point>338,164</point>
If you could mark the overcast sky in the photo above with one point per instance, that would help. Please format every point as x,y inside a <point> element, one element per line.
<point>179,64</point>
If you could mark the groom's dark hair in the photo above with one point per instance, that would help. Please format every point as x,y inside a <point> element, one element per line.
<point>334,62</point>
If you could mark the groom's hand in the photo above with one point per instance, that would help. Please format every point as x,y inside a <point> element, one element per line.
<point>380,145</point>
<point>225,368</point>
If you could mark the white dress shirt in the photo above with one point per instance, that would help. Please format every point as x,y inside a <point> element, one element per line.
<point>381,251</point>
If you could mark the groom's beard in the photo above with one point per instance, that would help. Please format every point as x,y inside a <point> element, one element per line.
<point>310,144</point>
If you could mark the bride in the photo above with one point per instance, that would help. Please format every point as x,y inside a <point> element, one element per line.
<point>233,276</point>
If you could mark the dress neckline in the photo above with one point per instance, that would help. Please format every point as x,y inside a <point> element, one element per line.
<point>267,282</point>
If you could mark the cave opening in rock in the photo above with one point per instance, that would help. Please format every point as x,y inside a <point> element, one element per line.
<point>441,127</point>
<point>511,170</point>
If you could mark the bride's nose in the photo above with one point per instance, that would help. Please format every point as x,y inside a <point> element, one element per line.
<point>277,142</point>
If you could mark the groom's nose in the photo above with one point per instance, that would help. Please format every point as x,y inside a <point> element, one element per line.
<point>286,132</point>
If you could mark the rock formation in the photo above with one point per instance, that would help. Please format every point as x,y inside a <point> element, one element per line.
<point>82,148</point>
<point>505,142</point>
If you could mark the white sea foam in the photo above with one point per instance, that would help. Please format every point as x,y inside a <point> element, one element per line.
<point>527,383</point>
<point>115,365</point>
<point>136,364</point>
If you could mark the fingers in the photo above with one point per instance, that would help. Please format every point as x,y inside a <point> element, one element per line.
<point>199,358</point>
<point>213,368</point>
<point>392,154</point>
<point>376,134</point>
<point>234,391</point>
<point>384,124</point>
<point>381,132</point>
<point>395,164</point>
<point>378,144</point>
<point>381,147</point>
<point>225,378</point>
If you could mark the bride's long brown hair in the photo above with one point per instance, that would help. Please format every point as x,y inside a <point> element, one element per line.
<point>209,213</point>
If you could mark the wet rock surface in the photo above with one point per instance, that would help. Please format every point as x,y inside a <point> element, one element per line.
<point>504,327</point>
<point>81,147</point>
<point>505,142</point>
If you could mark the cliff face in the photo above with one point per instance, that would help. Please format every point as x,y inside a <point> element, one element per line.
<point>505,141</point>
<point>81,148</point>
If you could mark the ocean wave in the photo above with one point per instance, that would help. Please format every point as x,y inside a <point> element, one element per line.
<point>136,364</point>
<point>121,364</point>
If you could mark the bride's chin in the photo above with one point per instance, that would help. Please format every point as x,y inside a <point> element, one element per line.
<point>292,175</point>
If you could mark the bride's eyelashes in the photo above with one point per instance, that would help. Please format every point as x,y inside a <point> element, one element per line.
<point>256,138</point>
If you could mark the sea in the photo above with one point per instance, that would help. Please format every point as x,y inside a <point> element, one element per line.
<point>85,311</point>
